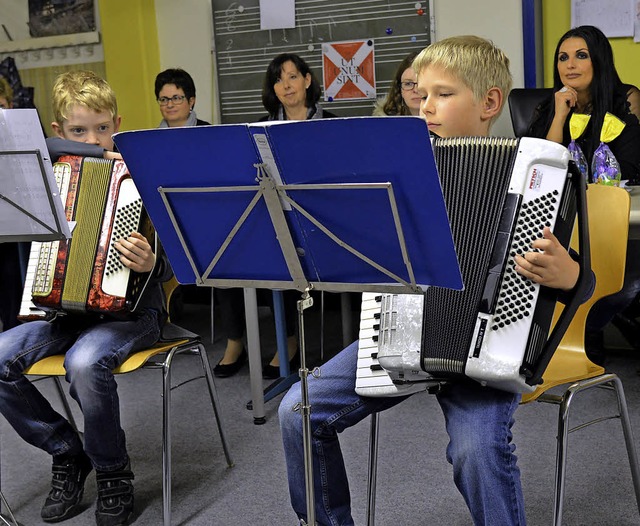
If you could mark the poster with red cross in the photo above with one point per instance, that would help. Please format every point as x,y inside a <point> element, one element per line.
<point>348,70</point>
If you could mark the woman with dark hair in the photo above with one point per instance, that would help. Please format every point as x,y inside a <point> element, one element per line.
<point>291,91</point>
<point>176,95</point>
<point>403,98</point>
<point>586,82</point>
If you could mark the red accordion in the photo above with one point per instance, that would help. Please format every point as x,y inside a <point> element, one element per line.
<point>84,274</point>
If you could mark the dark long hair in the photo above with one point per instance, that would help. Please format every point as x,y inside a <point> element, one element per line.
<point>274,70</point>
<point>608,93</point>
<point>394,103</point>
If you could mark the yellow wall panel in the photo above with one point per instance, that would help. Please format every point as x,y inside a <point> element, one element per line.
<point>130,42</point>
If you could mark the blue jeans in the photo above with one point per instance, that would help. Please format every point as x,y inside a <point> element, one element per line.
<point>91,351</point>
<point>478,422</point>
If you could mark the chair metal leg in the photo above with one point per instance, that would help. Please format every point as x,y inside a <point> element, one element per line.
<point>166,424</point>
<point>561,456</point>
<point>166,439</point>
<point>628,437</point>
<point>607,380</point>
<point>213,394</point>
<point>373,469</point>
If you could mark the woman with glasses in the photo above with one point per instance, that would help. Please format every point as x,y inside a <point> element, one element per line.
<point>403,98</point>
<point>176,95</point>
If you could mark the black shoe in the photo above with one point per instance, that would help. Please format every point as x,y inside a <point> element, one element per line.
<point>67,487</point>
<point>115,497</point>
<point>229,369</point>
<point>271,372</point>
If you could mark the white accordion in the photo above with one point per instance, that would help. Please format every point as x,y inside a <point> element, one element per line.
<point>500,194</point>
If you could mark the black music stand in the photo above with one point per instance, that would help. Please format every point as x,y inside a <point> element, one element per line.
<point>338,205</point>
<point>30,204</point>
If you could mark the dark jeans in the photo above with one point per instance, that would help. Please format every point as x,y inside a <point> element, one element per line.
<point>92,351</point>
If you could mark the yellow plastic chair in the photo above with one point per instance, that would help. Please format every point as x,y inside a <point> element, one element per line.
<point>608,212</point>
<point>608,209</point>
<point>175,340</point>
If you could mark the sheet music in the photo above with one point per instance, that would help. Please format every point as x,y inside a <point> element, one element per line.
<point>30,204</point>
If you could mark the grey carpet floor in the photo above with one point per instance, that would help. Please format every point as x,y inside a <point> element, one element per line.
<point>414,486</point>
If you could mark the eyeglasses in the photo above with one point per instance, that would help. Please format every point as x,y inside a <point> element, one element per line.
<point>408,85</point>
<point>175,100</point>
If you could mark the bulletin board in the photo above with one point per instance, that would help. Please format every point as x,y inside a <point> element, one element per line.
<point>242,50</point>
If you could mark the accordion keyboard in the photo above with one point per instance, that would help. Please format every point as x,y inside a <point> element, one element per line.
<point>28,310</point>
<point>371,378</point>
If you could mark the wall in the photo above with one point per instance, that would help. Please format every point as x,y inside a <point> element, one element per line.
<point>556,16</point>
<point>130,42</point>
<point>481,18</point>
<point>143,37</point>
<point>185,36</point>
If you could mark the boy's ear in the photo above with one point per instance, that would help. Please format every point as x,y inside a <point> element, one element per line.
<point>492,103</point>
<point>116,123</point>
<point>57,129</point>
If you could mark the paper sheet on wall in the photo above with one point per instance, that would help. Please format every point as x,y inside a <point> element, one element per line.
<point>615,18</point>
<point>277,14</point>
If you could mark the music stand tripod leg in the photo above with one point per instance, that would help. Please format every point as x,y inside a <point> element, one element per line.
<point>255,363</point>
<point>305,408</point>
<point>3,519</point>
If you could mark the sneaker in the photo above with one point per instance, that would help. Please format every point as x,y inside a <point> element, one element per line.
<point>67,487</point>
<point>115,497</point>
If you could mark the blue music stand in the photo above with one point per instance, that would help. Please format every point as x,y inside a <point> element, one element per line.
<point>340,205</point>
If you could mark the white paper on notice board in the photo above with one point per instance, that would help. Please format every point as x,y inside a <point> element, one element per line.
<point>277,14</point>
<point>615,18</point>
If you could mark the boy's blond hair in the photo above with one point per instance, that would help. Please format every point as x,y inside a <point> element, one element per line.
<point>84,88</point>
<point>5,90</point>
<point>475,61</point>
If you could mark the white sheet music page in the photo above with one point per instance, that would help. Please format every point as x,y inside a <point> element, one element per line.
<point>30,203</point>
